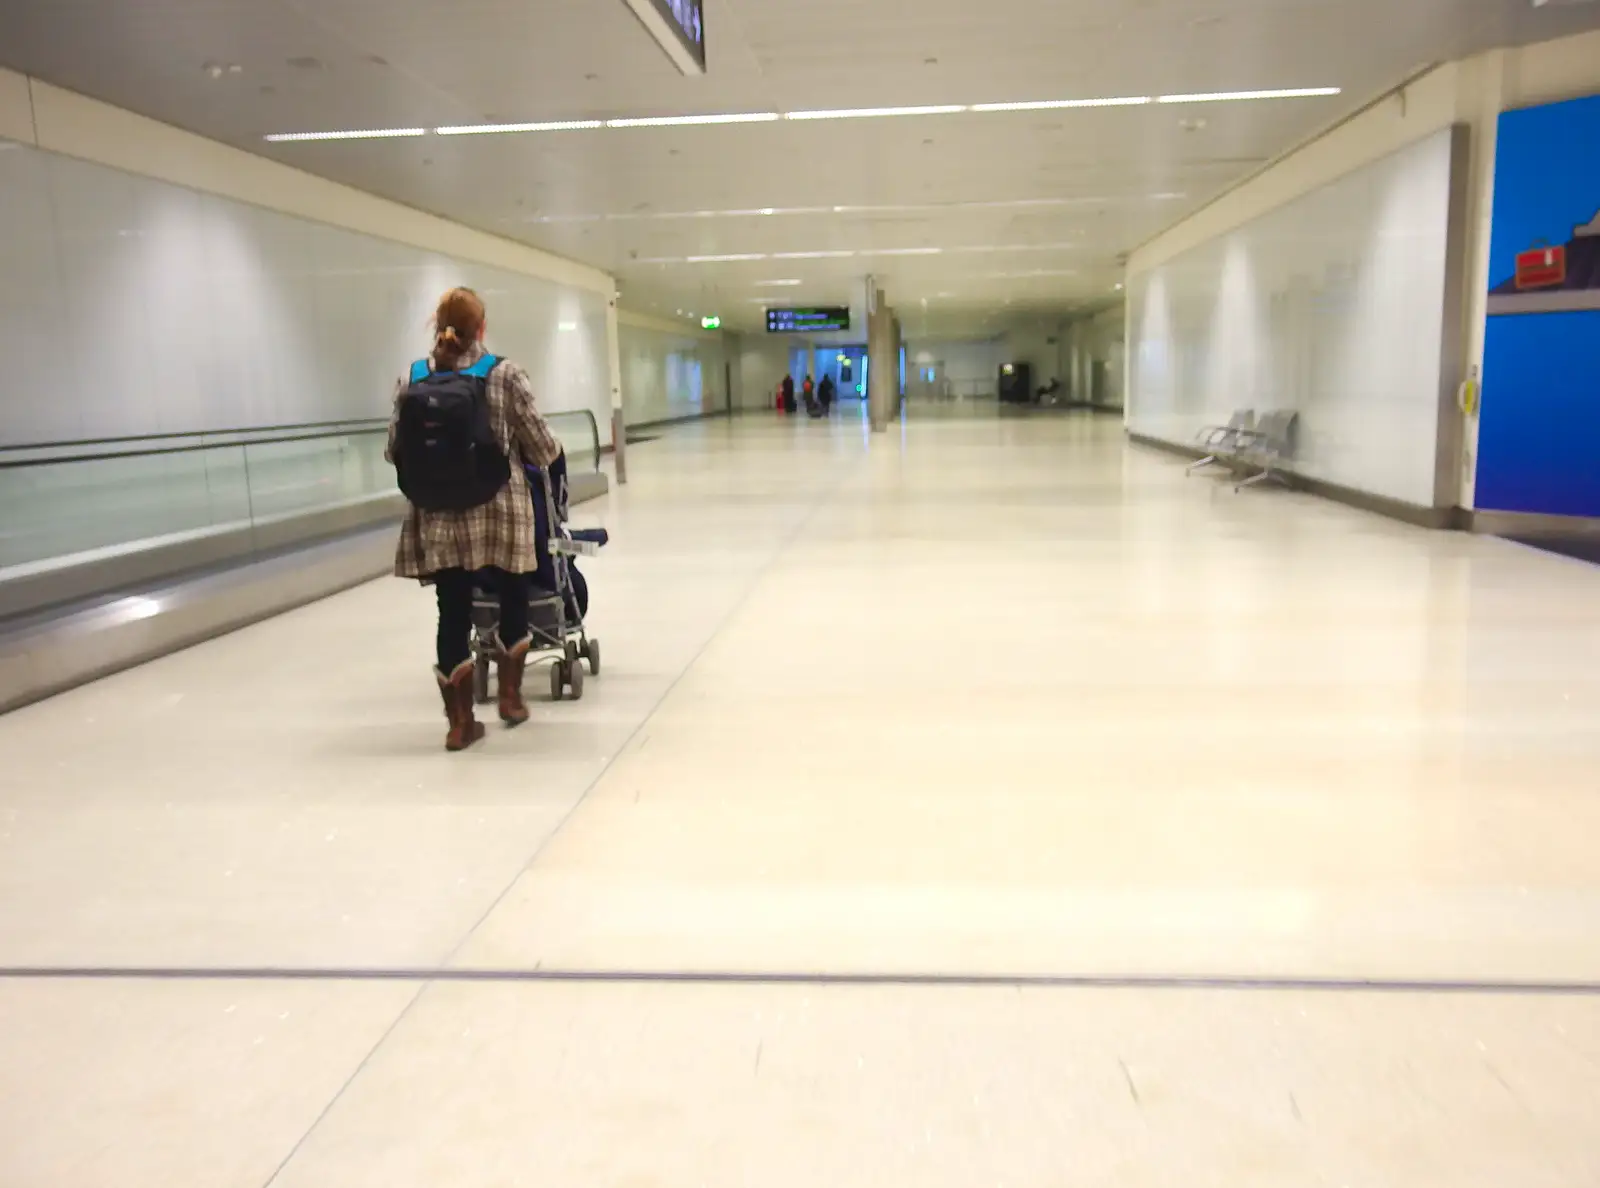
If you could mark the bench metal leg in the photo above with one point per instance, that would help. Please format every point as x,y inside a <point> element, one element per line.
<point>1208,460</point>
<point>1265,476</point>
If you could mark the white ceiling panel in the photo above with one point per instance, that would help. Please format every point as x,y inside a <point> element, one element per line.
<point>1033,208</point>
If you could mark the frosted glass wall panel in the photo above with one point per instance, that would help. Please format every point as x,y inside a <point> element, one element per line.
<point>669,376</point>
<point>132,306</point>
<point>1332,305</point>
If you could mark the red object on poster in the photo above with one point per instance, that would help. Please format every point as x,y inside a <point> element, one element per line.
<point>1541,268</point>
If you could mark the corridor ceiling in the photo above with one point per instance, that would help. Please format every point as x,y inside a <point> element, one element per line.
<point>970,213</point>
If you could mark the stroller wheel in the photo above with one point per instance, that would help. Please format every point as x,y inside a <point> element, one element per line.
<point>480,678</point>
<point>575,681</point>
<point>591,653</point>
<point>558,683</point>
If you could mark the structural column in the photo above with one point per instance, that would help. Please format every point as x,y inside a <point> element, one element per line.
<point>619,430</point>
<point>883,364</point>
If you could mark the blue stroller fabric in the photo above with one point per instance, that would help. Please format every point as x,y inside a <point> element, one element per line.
<point>545,576</point>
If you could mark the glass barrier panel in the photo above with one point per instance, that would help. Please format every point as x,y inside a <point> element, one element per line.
<point>307,475</point>
<point>56,509</point>
<point>578,436</point>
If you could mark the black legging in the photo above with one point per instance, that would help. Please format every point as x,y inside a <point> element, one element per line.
<point>454,587</point>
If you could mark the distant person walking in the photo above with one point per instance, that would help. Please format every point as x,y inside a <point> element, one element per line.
<point>464,424</point>
<point>788,394</point>
<point>825,393</point>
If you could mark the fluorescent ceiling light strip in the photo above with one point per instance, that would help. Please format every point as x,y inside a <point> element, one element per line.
<point>1016,247</point>
<point>1062,104</point>
<point>777,284</point>
<point>1029,274</point>
<point>869,113</point>
<point>742,257</point>
<point>547,126</point>
<point>843,113</point>
<point>749,117</point>
<point>1245,96</point>
<point>356,134</point>
<point>936,207</point>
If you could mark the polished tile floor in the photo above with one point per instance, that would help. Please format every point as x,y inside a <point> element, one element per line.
<point>992,805</point>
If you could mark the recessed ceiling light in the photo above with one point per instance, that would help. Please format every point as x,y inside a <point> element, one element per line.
<point>736,258</point>
<point>1245,96</point>
<point>812,255</point>
<point>869,113</point>
<point>354,134</point>
<point>491,129</point>
<point>776,284</point>
<point>909,251</point>
<point>749,117</point>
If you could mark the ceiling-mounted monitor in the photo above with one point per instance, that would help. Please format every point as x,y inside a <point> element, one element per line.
<point>678,27</point>
<point>812,319</point>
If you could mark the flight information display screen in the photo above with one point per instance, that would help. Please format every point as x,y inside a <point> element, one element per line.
<point>687,17</point>
<point>813,318</point>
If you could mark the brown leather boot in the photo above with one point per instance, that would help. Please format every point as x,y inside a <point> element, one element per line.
<point>513,710</point>
<point>456,690</point>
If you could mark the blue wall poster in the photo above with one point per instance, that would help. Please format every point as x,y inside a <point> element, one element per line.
<point>1539,425</point>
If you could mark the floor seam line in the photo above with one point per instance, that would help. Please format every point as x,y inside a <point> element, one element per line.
<point>825,499</point>
<point>1242,983</point>
<point>344,1086</point>
<point>739,603</point>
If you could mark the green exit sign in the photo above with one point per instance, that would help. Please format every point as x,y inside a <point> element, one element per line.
<point>711,323</point>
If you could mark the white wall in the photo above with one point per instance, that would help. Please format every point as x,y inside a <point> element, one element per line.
<point>151,308</point>
<point>156,299</point>
<point>669,372</point>
<point>971,366</point>
<point>1471,92</point>
<point>761,362</point>
<point>1332,304</point>
<point>1036,343</point>
<point>1099,339</point>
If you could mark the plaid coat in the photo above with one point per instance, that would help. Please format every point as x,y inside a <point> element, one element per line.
<point>500,532</point>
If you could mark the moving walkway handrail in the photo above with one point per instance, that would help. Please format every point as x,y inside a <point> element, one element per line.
<point>111,455</point>
<point>357,423</point>
<point>326,430</point>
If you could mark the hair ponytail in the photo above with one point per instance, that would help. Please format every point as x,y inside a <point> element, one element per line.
<point>457,325</point>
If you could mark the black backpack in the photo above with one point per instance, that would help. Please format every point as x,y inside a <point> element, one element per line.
<point>446,454</point>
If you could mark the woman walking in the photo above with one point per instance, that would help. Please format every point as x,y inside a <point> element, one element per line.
<point>464,423</point>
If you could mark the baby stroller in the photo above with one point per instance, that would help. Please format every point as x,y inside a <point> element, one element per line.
<point>557,601</point>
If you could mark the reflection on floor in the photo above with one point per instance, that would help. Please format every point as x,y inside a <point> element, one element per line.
<point>979,700</point>
<point>1579,548</point>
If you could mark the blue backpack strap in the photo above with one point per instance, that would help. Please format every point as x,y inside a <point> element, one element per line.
<point>482,368</point>
<point>419,371</point>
